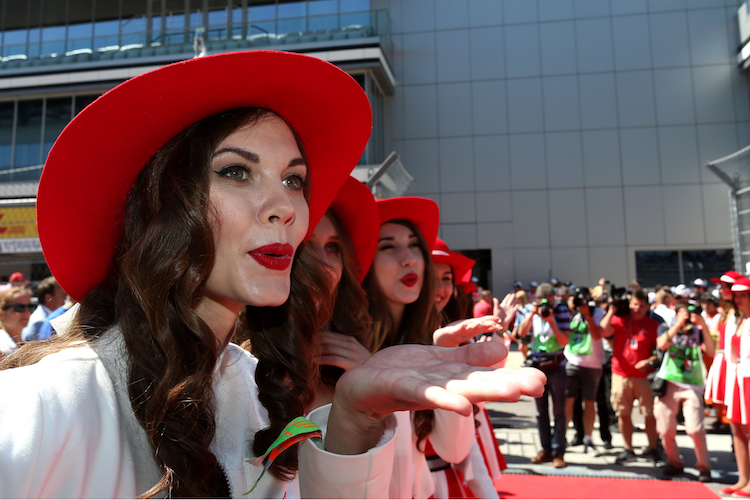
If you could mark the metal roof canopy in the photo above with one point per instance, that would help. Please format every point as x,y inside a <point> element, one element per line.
<point>734,171</point>
<point>387,180</point>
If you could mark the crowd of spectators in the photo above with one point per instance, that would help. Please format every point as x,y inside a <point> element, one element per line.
<point>26,310</point>
<point>608,351</point>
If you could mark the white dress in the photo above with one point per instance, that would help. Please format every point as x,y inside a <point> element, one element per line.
<point>68,431</point>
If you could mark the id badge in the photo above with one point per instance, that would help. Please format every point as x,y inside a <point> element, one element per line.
<point>634,343</point>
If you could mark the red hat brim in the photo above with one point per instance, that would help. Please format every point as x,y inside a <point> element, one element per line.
<point>96,159</point>
<point>741,285</point>
<point>460,264</point>
<point>728,277</point>
<point>355,207</point>
<point>422,212</point>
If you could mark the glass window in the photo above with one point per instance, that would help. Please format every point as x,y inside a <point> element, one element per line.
<point>292,9</point>
<point>263,12</point>
<point>35,45</point>
<point>657,268</point>
<point>14,42</point>
<point>175,28</point>
<point>28,139</point>
<point>53,40</point>
<point>79,36</point>
<point>6,136</point>
<point>81,101</point>
<point>354,5</point>
<point>323,15</point>
<point>57,115</point>
<point>705,264</point>
<point>106,34</point>
<point>133,30</point>
<point>317,7</point>
<point>217,24</point>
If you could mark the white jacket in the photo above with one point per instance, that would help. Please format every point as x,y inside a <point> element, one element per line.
<point>67,430</point>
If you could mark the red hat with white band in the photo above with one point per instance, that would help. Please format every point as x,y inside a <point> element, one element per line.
<point>741,285</point>
<point>728,277</point>
<point>422,212</point>
<point>460,264</point>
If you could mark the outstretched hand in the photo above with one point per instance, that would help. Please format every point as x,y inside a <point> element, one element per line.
<point>506,310</point>
<point>418,377</point>
<point>458,332</point>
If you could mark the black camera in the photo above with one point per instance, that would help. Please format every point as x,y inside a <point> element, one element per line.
<point>582,295</point>
<point>620,301</point>
<point>545,308</point>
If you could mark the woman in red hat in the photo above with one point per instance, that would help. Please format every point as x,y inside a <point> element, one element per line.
<point>737,385</point>
<point>717,373</point>
<point>482,469</point>
<point>171,206</point>
<point>345,240</point>
<point>401,292</point>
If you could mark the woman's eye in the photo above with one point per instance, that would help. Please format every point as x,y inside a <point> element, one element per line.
<point>386,247</point>
<point>333,248</point>
<point>236,172</point>
<point>295,182</point>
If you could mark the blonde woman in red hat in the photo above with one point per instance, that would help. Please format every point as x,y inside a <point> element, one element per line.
<point>717,373</point>
<point>170,205</point>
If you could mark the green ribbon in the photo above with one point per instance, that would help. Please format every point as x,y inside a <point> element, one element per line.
<point>295,431</point>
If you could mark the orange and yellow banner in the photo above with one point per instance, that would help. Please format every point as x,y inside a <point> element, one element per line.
<point>18,222</point>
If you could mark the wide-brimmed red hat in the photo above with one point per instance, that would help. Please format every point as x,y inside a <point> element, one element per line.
<point>468,286</point>
<point>741,285</point>
<point>458,262</point>
<point>728,277</point>
<point>355,207</point>
<point>99,154</point>
<point>422,212</point>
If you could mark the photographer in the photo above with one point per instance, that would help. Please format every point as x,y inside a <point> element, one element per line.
<point>682,368</point>
<point>584,366</point>
<point>546,344</point>
<point>633,359</point>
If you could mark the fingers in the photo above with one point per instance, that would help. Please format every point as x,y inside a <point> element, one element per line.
<point>486,354</point>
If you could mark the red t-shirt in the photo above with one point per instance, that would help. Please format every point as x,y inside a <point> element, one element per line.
<point>482,308</point>
<point>632,342</point>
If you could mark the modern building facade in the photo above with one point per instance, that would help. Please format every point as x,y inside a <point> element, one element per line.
<point>569,137</point>
<point>561,138</point>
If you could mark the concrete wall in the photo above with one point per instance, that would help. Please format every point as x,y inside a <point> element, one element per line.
<point>564,135</point>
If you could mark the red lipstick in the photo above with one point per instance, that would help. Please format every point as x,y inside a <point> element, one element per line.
<point>410,279</point>
<point>276,256</point>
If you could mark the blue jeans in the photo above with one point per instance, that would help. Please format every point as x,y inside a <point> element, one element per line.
<point>556,382</point>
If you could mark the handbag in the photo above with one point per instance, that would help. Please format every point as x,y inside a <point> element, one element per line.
<point>658,385</point>
<point>544,363</point>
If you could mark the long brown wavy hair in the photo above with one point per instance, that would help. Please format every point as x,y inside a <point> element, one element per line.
<point>350,315</point>
<point>418,323</point>
<point>164,256</point>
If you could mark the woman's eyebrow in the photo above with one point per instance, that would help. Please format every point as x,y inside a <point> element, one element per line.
<point>297,162</point>
<point>248,155</point>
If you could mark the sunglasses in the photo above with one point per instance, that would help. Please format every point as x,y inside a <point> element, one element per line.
<point>19,308</point>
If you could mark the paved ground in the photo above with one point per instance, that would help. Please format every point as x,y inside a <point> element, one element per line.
<point>515,428</point>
